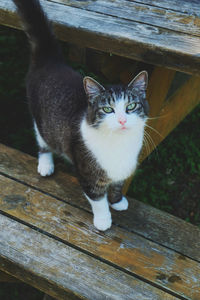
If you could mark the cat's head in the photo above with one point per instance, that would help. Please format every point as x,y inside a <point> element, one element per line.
<point>117,107</point>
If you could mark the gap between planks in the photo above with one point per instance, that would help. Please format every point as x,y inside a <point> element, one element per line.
<point>60,270</point>
<point>85,210</point>
<point>118,248</point>
<point>145,220</point>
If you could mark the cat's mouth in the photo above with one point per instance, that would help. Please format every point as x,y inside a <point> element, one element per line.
<point>124,128</point>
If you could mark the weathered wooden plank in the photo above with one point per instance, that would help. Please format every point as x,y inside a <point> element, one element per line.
<point>140,218</point>
<point>126,250</point>
<point>190,7</point>
<point>147,14</point>
<point>116,35</point>
<point>62,271</point>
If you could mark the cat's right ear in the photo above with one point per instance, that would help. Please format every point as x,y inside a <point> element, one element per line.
<point>92,87</point>
<point>140,81</point>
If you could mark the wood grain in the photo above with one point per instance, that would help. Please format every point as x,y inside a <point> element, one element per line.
<point>145,259</point>
<point>159,85</point>
<point>139,12</point>
<point>119,36</point>
<point>62,271</point>
<point>190,7</point>
<point>140,218</point>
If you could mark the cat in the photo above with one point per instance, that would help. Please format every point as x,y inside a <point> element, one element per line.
<point>99,129</point>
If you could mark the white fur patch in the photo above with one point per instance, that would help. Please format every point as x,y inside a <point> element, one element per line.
<point>116,150</point>
<point>45,160</point>
<point>121,205</point>
<point>102,217</point>
<point>45,164</point>
<point>39,139</point>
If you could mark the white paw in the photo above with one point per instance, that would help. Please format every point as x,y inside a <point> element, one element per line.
<point>45,165</point>
<point>102,223</point>
<point>121,205</point>
<point>45,169</point>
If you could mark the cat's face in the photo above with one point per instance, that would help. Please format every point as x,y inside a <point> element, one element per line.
<point>117,108</point>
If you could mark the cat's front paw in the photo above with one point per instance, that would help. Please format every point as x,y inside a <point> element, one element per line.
<point>45,164</point>
<point>121,205</point>
<point>45,170</point>
<point>102,223</point>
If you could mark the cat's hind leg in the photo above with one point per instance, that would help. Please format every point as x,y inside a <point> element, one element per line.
<point>116,199</point>
<point>121,205</point>
<point>45,157</point>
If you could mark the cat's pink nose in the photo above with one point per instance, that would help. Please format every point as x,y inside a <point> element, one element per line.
<point>122,121</point>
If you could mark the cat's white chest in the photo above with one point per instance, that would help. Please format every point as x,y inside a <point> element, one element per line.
<point>116,153</point>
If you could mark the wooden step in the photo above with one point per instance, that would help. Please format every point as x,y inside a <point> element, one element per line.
<point>140,218</point>
<point>50,217</point>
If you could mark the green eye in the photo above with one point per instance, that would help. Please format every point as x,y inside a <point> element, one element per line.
<point>107,109</point>
<point>131,107</point>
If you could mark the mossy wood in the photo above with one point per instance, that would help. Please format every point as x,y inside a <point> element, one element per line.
<point>153,32</point>
<point>57,248</point>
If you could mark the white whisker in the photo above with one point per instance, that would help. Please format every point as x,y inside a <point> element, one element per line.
<point>156,131</point>
<point>151,141</point>
<point>158,117</point>
<point>146,145</point>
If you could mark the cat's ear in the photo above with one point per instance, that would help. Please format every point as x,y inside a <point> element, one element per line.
<point>92,87</point>
<point>140,81</point>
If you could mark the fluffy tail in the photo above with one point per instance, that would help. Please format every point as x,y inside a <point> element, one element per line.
<point>38,29</point>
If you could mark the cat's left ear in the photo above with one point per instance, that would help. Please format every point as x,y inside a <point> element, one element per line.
<point>92,87</point>
<point>140,81</point>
